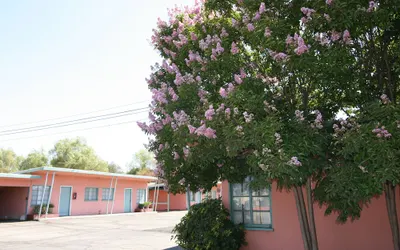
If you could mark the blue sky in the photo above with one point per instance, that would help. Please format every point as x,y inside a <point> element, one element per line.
<point>62,58</point>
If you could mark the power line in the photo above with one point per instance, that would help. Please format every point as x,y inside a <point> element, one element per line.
<point>59,118</point>
<point>77,130</point>
<point>72,121</point>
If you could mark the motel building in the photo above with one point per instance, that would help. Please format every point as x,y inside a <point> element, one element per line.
<point>66,192</point>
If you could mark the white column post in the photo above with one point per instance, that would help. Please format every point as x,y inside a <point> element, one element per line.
<point>147,193</point>
<point>44,192</point>
<point>115,190</point>
<point>51,191</point>
<point>109,193</point>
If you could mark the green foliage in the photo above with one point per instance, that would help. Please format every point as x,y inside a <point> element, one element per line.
<point>76,154</point>
<point>35,159</point>
<point>114,168</point>
<point>9,161</point>
<point>36,209</point>
<point>207,227</point>
<point>143,163</point>
<point>140,205</point>
<point>147,204</point>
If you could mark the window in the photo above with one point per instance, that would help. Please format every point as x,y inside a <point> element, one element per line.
<point>198,197</point>
<point>106,195</point>
<point>140,196</point>
<point>37,195</point>
<point>91,194</point>
<point>192,197</point>
<point>213,194</point>
<point>250,207</point>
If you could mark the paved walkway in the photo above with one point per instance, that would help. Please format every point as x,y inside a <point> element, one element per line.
<point>140,231</point>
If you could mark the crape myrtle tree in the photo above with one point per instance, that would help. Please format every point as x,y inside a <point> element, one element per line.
<point>248,88</point>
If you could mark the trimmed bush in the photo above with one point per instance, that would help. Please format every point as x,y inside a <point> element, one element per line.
<point>207,227</point>
<point>36,209</point>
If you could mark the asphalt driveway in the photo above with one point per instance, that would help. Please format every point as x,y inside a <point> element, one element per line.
<point>140,231</point>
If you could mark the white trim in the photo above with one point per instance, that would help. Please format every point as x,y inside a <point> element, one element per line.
<point>131,199</point>
<point>19,176</point>
<point>70,200</point>
<point>79,171</point>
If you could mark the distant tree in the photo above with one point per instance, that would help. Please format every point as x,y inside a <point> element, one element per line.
<point>9,161</point>
<point>143,163</point>
<point>34,159</point>
<point>76,154</point>
<point>114,168</point>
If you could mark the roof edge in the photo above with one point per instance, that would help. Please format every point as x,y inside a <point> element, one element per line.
<point>19,176</point>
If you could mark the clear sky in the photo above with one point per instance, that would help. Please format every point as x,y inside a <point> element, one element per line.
<point>62,58</point>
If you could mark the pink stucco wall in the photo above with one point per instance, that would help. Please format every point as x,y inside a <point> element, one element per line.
<point>13,202</point>
<point>371,232</point>
<point>79,182</point>
<point>176,202</point>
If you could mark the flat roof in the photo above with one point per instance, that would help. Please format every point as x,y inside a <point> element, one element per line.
<point>19,176</point>
<point>89,172</point>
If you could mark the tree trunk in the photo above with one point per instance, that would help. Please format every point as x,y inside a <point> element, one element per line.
<point>302,220</point>
<point>390,197</point>
<point>310,203</point>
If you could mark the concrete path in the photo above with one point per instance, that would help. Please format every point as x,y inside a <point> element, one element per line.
<point>139,231</point>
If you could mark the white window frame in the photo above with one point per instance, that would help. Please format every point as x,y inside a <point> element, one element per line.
<point>213,194</point>
<point>38,194</point>
<point>105,194</point>
<point>89,198</point>
<point>140,193</point>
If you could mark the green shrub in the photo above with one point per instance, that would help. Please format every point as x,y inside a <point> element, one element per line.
<point>36,209</point>
<point>140,205</point>
<point>147,204</point>
<point>207,227</point>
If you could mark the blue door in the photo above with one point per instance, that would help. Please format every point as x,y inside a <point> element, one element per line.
<point>65,201</point>
<point>128,200</point>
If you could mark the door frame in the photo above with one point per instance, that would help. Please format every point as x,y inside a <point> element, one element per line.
<point>131,200</point>
<point>70,200</point>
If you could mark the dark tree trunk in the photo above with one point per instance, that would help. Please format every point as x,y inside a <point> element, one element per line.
<point>390,197</point>
<point>310,204</point>
<point>302,220</point>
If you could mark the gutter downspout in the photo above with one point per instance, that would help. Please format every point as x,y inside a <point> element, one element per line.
<point>51,191</point>
<point>44,192</point>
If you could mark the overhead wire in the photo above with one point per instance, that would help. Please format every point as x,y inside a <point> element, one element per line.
<point>80,114</point>
<point>76,130</point>
<point>77,121</point>
<point>69,123</point>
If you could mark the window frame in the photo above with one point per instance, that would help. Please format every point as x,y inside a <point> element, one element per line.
<point>192,196</point>
<point>97,194</point>
<point>212,194</point>
<point>261,227</point>
<point>137,195</point>
<point>108,194</point>
<point>40,197</point>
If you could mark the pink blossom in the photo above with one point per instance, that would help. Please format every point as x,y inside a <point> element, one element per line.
<point>381,132</point>
<point>181,118</point>
<point>192,129</point>
<point>219,48</point>
<point>178,79</point>
<point>329,2</point>
<point>262,8</point>
<point>238,79</point>
<point>239,2</point>
<point>307,11</point>
<point>224,33</point>
<point>176,156</point>
<point>231,87</point>
<point>371,7</point>
<point>223,92</point>
<point>198,78</point>
<point>257,17</point>
<point>200,130</point>
<point>160,147</point>
<point>267,32</point>
<point>280,56</point>
<point>193,36</point>
<point>242,73</point>
<point>304,20</point>
<point>327,17</point>
<point>295,162</point>
<point>228,112</point>
<point>250,27</point>
<point>221,108</point>
<point>167,120</point>
<point>346,37</point>
<point>173,95</point>
<point>202,94</point>
<point>299,115</point>
<point>301,49</point>
<point>210,133</point>
<point>289,40</point>
<point>234,48</point>
<point>210,112</point>
<point>335,35</point>
<point>234,22</point>
<point>143,126</point>
<point>220,165</point>
<point>385,99</point>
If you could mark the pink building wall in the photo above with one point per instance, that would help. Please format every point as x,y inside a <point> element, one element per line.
<point>13,202</point>
<point>79,182</point>
<point>371,232</point>
<point>176,202</point>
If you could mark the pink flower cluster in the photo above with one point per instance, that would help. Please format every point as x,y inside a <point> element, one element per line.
<point>224,33</point>
<point>173,95</point>
<point>181,118</point>
<point>207,132</point>
<point>210,113</point>
<point>248,117</point>
<point>250,27</point>
<point>217,51</point>
<point>193,57</point>
<point>295,162</point>
<point>267,32</point>
<point>278,56</point>
<point>318,120</point>
<point>234,48</point>
<point>202,94</point>
<point>301,46</point>
<point>381,132</point>
<point>299,115</point>
<point>372,6</point>
<point>208,41</point>
<point>278,139</point>
<point>307,12</point>
<point>385,99</point>
<point>269,107</point>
